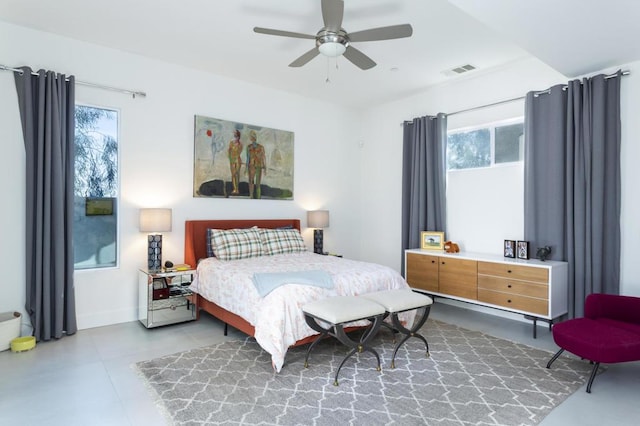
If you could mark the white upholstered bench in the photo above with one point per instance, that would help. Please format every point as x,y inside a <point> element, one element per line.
<point>397,301</point>
<point>337,312</point>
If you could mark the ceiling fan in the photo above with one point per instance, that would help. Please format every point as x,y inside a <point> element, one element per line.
<point>332,40</point>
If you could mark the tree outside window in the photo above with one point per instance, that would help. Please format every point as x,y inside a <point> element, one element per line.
<point>95,187</point>
<point>485,146</point>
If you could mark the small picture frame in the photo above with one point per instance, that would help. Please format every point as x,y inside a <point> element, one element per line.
<point>523,249</point>
<point>509,248</point>
<point>432,240</point>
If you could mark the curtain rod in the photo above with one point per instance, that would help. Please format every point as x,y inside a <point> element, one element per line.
<point>476,108</point>
<point>625,72</point>
<point>606,77</point>
<point>133,93</point>
<point>506,101</point>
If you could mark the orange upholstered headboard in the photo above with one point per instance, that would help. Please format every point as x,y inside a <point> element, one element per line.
<point>195,233</point>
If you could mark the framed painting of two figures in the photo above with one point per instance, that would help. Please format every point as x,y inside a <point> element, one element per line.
<point>239,160</point>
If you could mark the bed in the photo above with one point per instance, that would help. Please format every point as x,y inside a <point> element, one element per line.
<point>227,290</point>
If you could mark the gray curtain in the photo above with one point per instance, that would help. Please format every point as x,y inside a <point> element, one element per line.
<point>424,204</point>
<point>47,105</point>
<point>572,182</point>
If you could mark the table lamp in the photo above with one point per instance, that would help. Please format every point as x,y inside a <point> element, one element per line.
<point>317,219</point>
<point>155,221</point>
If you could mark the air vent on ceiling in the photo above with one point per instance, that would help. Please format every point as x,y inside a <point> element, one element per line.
<point>459,70</point>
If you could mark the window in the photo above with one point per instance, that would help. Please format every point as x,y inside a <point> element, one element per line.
<point>509,141</point>
<point>95,219</point>
<point>485,146</point>
<point>467,150</point>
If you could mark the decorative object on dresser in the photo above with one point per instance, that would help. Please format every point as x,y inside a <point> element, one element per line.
<point>523,249</point>
<point>155,221</point>
<point>543,253</point>
<point>509,248</point>
<point>318,219</point>
<point>432,240</point>
<point>451,247</point>
<point>532,288</point>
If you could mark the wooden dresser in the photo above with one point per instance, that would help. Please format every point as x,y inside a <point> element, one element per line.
<point>536,289</point>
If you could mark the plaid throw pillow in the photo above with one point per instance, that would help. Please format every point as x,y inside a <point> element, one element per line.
<point>233,244</point>
<point>278,241</point>
<point>209,246</point>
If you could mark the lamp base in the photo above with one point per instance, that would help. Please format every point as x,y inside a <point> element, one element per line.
<point>154,253</point>
<point>317,241</point>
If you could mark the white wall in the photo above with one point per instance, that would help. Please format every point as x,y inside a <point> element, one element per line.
<point>481,208</point>
<point>629,158</point>
<point>156,159</point>
<point>484,207</point>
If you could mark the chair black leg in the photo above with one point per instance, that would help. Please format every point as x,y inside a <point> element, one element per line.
<point>593,376</point>
<point>554,358</point>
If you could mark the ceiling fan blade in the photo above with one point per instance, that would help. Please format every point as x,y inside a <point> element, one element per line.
<point>302,60</point>
<point>332,12</point>
<point>358,58</point>
<point>382,33</point>
<point>282,33</point>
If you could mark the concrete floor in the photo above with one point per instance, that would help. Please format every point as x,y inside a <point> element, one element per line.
<point>87,379</point>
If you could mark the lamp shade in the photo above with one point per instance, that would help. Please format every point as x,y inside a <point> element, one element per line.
<point>155,220</point>
<point>318,219</point>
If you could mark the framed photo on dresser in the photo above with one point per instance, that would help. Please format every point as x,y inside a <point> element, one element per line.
<point>432,240</point>
<point>523,249</point>
<point>509,248</point>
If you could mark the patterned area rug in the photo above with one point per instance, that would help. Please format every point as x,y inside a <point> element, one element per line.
<point>470,379</point>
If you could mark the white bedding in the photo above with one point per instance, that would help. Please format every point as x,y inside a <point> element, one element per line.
<point>277,318</point>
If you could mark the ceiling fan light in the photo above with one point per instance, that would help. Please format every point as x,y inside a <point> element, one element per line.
<point>332,49</point>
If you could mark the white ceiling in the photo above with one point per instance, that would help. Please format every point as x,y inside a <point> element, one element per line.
<point>573,36</point>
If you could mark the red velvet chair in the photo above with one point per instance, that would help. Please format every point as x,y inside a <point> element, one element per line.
<point>608,333</point>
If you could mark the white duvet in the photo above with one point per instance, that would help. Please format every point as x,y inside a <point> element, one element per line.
<point>277,317</point>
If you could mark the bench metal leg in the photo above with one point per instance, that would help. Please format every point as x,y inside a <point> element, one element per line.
<point>311,322</point>
<point>313,345</point>
<point>421,317</point>
<point>337,331</point>
<point>360,346</point>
